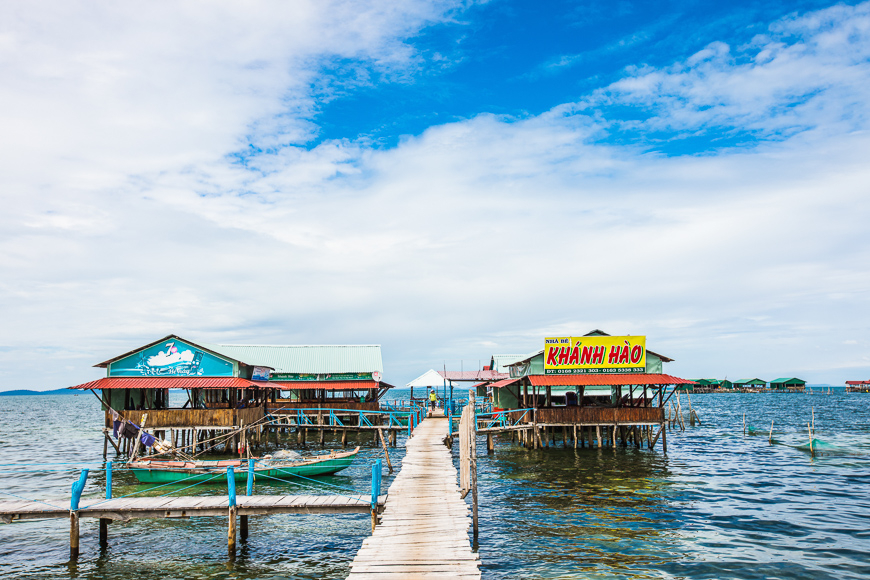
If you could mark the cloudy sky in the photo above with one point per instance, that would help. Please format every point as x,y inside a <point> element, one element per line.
<point>449,180</point>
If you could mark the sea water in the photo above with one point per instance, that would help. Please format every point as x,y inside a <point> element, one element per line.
<point>719,504</point>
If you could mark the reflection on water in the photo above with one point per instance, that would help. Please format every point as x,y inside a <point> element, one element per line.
<point>719,505</point>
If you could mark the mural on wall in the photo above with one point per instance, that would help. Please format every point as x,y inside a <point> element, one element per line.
<point>173,358</point>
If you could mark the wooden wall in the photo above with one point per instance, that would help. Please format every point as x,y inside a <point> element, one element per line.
<point>180,418</point>
<point>604,415</point>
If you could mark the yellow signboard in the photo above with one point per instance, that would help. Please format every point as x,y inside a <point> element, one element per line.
<point>594,354</point>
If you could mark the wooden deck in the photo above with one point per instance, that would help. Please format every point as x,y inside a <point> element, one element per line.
<point>423,532</point>
<point>125,509</point>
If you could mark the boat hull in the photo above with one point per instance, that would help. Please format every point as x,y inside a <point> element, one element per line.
<point>155,474</point>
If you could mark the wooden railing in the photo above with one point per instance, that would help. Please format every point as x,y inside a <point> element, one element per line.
<point>181,418</point>
<point>290,406</point>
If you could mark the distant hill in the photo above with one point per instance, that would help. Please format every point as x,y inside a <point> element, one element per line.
<point>20,392</point>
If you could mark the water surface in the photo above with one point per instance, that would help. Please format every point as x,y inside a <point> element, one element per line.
<point>718,505</point>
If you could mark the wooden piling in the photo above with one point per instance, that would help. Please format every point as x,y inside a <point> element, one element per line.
<point>231,532</point>
<point>386,451</point>
<point>73,535</point>
<point>598,435</point>
<point>104,532</point>
<point>243,528</point>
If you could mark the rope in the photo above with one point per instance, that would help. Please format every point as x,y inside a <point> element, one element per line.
<point>194,485</point>
<point>303,484</point>
<point>33,500</point>
<point>149,489</point>
<point>303,477</point>
<point>55,463</point>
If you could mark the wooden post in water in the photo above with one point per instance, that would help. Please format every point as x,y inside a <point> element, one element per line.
<point>744,424</point>
<point>386,451</point>
<point>770,437</point>
<point>490,445</point>
<point>231,527</point>
<point>810,431</point>
<point>598,435</point>
<point>473,457</point>
<point>74,535</point>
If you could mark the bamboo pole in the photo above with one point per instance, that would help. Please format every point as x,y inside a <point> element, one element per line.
<point>810,431</point>
<point>386,451</point>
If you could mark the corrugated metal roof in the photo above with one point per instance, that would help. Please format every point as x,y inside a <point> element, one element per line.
<point>314,359</point>
<point>524,357</point>
<point>787,380</point>
<point>504,383</point>
<point>328,385</point>
<point>607,379</point>
<point>500,362</point>
<point>172,383</point>
<point>473,375</point>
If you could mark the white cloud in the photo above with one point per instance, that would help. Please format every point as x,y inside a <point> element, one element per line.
<point>127,218</point>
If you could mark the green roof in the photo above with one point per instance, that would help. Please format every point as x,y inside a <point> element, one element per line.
<point>306,358</point>
<point>788,380</point>
<point>501,361</point>
<point>750,382</point>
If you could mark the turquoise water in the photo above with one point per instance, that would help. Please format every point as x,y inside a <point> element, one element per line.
<point>718,505</point>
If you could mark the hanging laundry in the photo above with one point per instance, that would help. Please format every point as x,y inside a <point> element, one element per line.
<point>115,425</point>
<point>147,439</point>
<point>115,416</point>
<point>129,430</point>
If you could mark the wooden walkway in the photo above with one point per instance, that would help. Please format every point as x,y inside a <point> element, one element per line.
<point>125,509</point>
<point>423,532</point>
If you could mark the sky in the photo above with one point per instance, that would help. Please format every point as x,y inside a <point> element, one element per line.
<point>449,180</point>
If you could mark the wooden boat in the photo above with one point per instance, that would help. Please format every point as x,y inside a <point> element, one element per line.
<point>165,471</point>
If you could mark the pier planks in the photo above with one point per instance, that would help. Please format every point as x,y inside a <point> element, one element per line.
<point>174,507</point>
<point>424,527</point>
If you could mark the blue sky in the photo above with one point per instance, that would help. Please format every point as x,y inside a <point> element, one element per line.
<point>450,180</point>
<point>520,59</point>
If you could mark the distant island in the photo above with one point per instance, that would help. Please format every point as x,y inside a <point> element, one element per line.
<point>20,392</point>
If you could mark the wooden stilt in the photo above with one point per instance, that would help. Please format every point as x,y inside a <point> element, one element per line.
<point>598,435</point>
<point>243,527</point>
<point>575,436</point>
<point>73,535</point>
<point>490,446</point>
<point>231,533</point>
<point>104,532</point>
<point>344,438</point>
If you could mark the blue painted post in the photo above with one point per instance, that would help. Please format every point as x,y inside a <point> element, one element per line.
<point>409,424</point>
<point>250,477</point>
<point>77,489</point>
<point>377,472</point>
<point>104,522</point>
<point>231,486</point>
<point>231,531</point>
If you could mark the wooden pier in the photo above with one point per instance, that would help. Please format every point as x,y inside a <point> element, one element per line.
<point>125,509</point>
<point>423,532</point>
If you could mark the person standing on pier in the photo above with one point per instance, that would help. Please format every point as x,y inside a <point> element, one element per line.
<point>432,398</point>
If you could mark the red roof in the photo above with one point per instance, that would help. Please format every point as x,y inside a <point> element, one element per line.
<point>328,385</point>
<point>172,383</point>
<point>607,379</point>
<point>858,382</point>
<point>504,383</point>
<point>487,376</point>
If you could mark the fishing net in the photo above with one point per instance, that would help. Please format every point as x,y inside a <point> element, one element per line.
<point>286,455</point>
